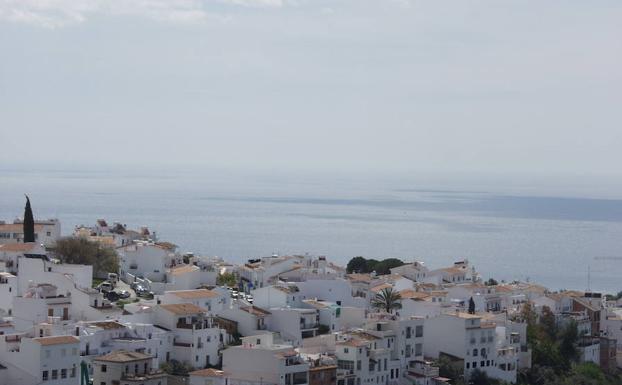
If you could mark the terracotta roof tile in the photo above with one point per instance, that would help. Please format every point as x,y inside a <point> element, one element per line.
<point>56,340</point>
<point>183,308</point>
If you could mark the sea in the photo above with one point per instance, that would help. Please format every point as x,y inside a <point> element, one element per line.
<point>564,233</point>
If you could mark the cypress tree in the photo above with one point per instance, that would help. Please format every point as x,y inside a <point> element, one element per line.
<point>471,306</point>
<point>29,223</point>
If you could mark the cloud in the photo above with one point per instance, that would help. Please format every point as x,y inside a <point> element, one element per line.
<point>58,13</point>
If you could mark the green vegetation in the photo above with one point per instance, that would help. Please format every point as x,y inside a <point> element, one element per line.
<point>387,300</point>
<point>323,329</point>
<point>227,279</point>
<point>97,281</point>
<point>176,368</point>
<point>122,302</point>
<point>363,265</point>
<point>555,354</point>
<point>82,251</point>
<point>29,223</point>
<point>491,282</point>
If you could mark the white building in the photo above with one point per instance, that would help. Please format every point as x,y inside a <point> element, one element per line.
<point>214,301</point>
<point>265,361</point>
<point>146,259</point>
<point>46,231</point>
<point>472,343</point>
<point>196,339</point>
<point>126,367</point>
<point>50,360</point>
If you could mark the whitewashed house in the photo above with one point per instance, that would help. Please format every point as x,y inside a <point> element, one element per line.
<point>265,362</point>
<point>127,367</point>
<point>49,360</point>
<point>196,339</point>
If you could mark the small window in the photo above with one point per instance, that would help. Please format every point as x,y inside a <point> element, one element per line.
<point>54,374</point>
<point>104,368</point>
<point>44,376</point>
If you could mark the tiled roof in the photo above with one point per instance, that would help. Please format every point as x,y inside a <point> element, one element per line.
<point>17,247</point>
<point>379,288</point>
<point>415,295</point>
<point>190,294</point>
<point>254,310</point>
<point>183,308</point>
<point>359,277</point>
<point>184,269</point>
<point>208,373</point>
<point>56,340</point>
<point>123,356</point>
<point>108,325</point>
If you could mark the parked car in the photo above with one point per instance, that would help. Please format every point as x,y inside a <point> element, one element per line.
<point>105,287</point>
<point>142,292</point>
<point>124,294</point>
<point>113,278</point>
<point>112,296</point>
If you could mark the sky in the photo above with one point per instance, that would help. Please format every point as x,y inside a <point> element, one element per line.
<point>512,87</point>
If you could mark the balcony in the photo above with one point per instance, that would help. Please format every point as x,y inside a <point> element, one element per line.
<point>423,369</point>
<point>182,344</point>
<point>309,326</point>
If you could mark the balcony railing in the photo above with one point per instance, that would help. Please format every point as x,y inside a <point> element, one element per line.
<point>183,344</point>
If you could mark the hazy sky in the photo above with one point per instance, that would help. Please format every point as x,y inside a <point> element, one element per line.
<point>486,86</point>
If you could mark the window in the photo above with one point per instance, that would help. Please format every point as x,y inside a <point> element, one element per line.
<point>482,363</point>
<point>408,351</point>
<point>468,365</point>
<point>418,349</point>
<point>474,352</point>
<point>73,372</point>
<point>419,331</point>
<point>358,365</point>
<point>54,374</point>
<point>63,373</point>
<point>259,342</point>
<point>345,350</point>
<point>44,376</point>
<point>104,368</point>
<point>408,332</point>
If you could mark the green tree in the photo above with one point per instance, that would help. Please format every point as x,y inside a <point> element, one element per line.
<point>387,300</point>
<point>357,265</point>
<point>227,279</point>
<point>80,250</point>
<point>29,223</point>
<point>548,323</point>
<point>491,282</point>
<point>363,265</point>
<point>176,368</point>
<point>448,368</point>
<point>569,336</point>
<point>479,377</point>
<point>384,267</point>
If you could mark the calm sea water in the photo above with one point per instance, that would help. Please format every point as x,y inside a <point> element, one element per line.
<point>508,231</point>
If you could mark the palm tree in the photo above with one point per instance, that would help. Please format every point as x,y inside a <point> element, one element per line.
<point>387,299</point>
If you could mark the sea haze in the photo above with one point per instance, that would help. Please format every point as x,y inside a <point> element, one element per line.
<point>507,232</point>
